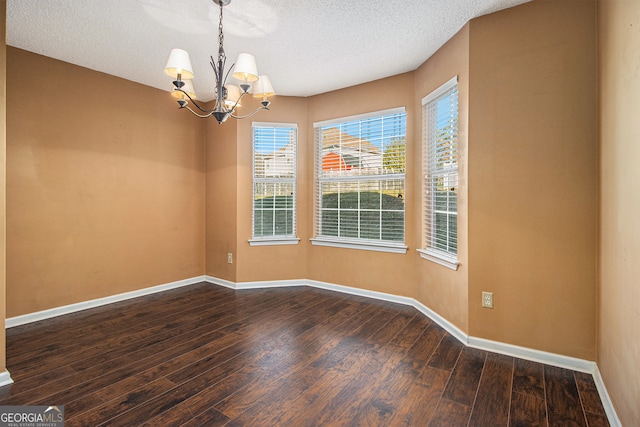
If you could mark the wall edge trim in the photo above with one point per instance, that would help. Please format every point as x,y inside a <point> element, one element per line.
<point>5,378</point>
<point>553,359</point>
<point>441,321</point>
<point>72,308</point>
<point>609,409</point>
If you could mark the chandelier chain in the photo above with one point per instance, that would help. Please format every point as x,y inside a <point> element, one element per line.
<point>220,34</point>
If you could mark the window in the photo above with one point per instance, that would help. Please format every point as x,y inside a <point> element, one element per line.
<point>360,171</point>
<point>274,184</point>
<point>440,138</point>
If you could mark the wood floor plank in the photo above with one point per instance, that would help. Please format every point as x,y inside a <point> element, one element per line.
<point>392,328</point>
<point>528,378</point>
<point>597,420</point>
<point>563,401</point>
<point>492,402</point>
<point>117,406</point>
<point>446,354</point>
<point>425,345</point>
<point>388,397</point>
<point>527,411</point>
<point>422,398</point>
<point>589,394</point>
<point>410,333</point>
<point>210,418</point>
<point>463,384</point>
<point>450,414</point>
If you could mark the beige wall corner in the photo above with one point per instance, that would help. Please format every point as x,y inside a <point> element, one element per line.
<point>619,231</point>
<point>532,176</point>
<point>221,198</point>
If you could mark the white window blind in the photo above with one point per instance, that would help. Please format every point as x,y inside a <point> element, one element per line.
<point>274,180</point>
<point>440,128</point>
<point>360,169</point>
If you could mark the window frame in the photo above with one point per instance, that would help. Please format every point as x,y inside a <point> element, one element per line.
<point>445,258</point>
<point>355,242</point>
<point>275,239</point>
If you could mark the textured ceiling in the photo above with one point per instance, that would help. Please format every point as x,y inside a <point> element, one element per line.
<point>305,46</point>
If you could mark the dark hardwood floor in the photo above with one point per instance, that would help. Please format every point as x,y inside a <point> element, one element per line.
<point>206,356</point>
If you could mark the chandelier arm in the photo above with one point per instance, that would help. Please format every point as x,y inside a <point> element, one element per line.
<point>231,109</point>
<point>202,116</point>
<point>194,103</point>
<point>250,114</point>
<point>226,77</point>
<point>215,70</point>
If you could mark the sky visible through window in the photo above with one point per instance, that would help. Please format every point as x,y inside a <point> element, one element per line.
<point>379,131</point>
<point>274,139</point>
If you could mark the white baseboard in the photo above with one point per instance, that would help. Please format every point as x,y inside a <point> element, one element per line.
<point>220,282</point>
<point>612,415</point>
<point>5,378</point>
<point>72,308</point>
<point>553,359</point>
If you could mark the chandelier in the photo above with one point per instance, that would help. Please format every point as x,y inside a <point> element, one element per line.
<point>227,96</point>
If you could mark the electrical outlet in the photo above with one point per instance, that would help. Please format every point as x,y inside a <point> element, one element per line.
<point>229,258</point>
<point>487,299</point>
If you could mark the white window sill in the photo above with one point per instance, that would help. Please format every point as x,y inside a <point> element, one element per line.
<point>441,258</point>
<point>366,245</point>
<point>274,241</point>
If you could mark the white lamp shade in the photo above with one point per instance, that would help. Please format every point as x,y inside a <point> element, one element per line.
<point>245,69</point>
<point>263,87</point>
<point>188,87</point>
<point>233,95</point>
<point>179,63</point>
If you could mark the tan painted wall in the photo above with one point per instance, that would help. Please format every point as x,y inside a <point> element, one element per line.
<point>376,271</point>
<point>443,290</point>
<point>532,176</point>
<point>3,183</point>
<point>619,242</point>
<point>105,184</point>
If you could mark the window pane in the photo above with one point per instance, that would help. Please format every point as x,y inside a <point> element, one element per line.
<point>273,209</point>
<point>348,221</point>
<point>440,138</point>
<point>274,173</point>
<point>329,222</point>
<point>354,160</point>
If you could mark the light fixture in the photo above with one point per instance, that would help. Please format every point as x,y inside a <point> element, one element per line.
<point>227,96</point>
